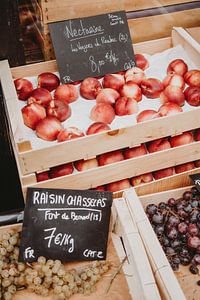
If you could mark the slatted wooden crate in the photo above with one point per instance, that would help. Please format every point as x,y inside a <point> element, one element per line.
<point>158,17</point>
<point>125,169</point>
<point>134,280</point>
<point>37,160</point>
<point>179,285</point>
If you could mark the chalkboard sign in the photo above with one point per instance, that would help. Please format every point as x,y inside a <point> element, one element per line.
<point>196,179</point>
<point>92,46</point>
<point>69,225</point>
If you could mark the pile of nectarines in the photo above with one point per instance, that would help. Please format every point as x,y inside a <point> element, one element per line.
<point>48,104</point>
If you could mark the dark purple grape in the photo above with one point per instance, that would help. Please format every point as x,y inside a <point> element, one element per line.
<point>193,269</point>
<point>194,190</point>
<point>184,252</point>
<point>193,242</point>
<point>169,251</point>
<point>194,203</point>
<point>171,202</point>
<point>182,227</point>
<point>159,230</point>
<point>157,218</point>
<point>173,221</point>
<point>193,216</point>
<point>180,205</point>
<point>188,208</point>
<point>198,217</point>
<point>174,266</point>
<point>183,238</point>
<point>172,233</point>
<point>193,229</point>
<point>162,205</point>
<point>151,209</point>
<point>187,195</point>
<point>164,241</point>
<point>182,214</point>
<point>185,261</point>
<point>198,282</point>
<point>196,259</point>
<point>176,260</point>
<point>175,243</point>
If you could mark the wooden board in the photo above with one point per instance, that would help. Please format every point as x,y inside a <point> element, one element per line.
<point>83,8</point>
<point>166,19</point>
<point>195,33</point>
<point>161,25</point>
<point>130,282</point>
<point>165,279</point>
<point>172,182</point>
<point>120,170</point>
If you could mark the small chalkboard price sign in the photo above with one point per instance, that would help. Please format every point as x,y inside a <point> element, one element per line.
<point>92,46</point>
<point>196,179</point>
<point>69,225</point>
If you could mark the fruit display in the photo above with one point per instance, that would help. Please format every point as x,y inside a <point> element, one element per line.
<point>176,224</point>
<point>115,100</point>
<point>44,277</point>
<point>125,154</point>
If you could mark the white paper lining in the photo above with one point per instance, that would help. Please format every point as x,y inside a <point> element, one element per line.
<point>82,107</point>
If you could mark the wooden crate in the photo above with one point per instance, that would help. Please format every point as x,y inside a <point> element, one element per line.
<point>158,17</point>
<point>164,184</point>
<point>125,248</point>
<point>173,285</point>
<point>45,157</point>
<point>30,161</point>
<point>124,169</point>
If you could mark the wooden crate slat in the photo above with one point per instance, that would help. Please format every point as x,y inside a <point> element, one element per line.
<point>171,288</point>
<point>195,33</point>
<point>91,147</point>
<point>171,182</point>
<point>180,36</point>
<point>125,169</point>
<point>144,281</point>
<point>83,8</point>
<point>10,95</point>
<point>187,18</point>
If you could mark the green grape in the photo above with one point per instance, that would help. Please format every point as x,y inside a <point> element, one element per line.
<point>6,282</point>
<point>60,282</point>
<point>13,271</point>
<point>3,251</point>
<point>6,235</point>
<point>57,262</point>
<point>57,289</point>
<point>7,296</point>
<point>21,266</point>
<point>5,274</point>
<point>84,276</point>
<point>50,263</point>
<point>37,280</point>
<point>89,272</point>
<point>44,292</point>
<point>41,260</point>
<point>55,279</point>
<point>61,272</point>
